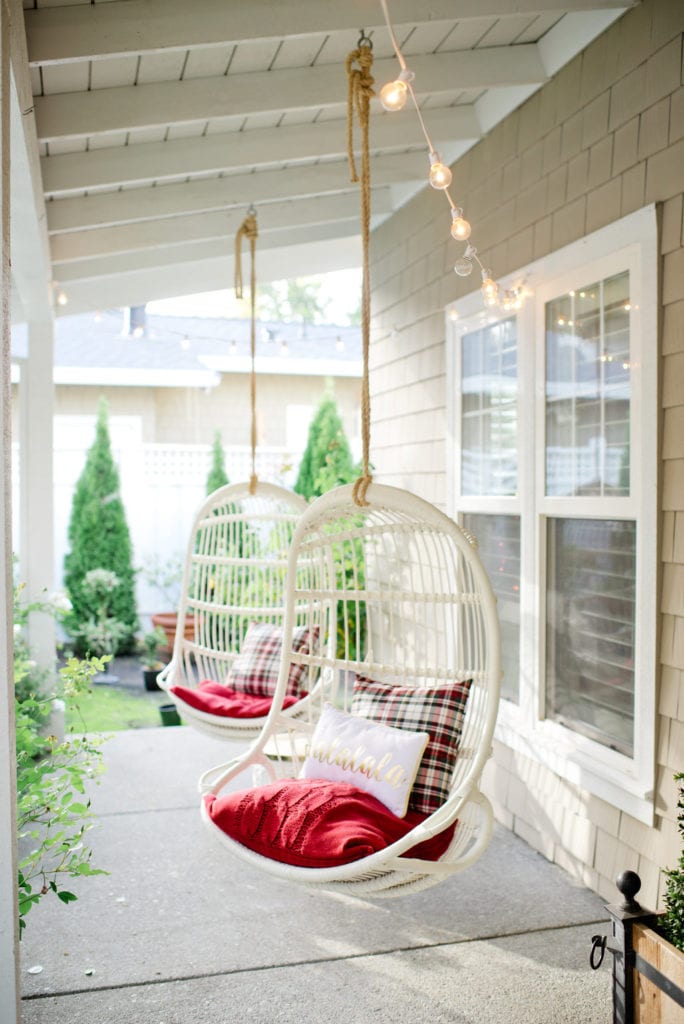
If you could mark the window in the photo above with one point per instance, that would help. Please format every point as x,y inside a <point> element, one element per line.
<point>552,465</point>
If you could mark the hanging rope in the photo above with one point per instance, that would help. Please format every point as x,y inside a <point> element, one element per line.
<point>359,92</point>
<point>248,229</point>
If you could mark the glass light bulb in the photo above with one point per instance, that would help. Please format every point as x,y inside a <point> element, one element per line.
<point>460,227</point>
<point>490,290</point>
<point>62,298</point>
<point>440,175</point>
<point>393,95</point>
<point>463,266</point>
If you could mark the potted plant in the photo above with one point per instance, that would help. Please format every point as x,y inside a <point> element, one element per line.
<point>102,633</point>
<point>662,944</point>
<point>648,971</point>
<point>149,657</point>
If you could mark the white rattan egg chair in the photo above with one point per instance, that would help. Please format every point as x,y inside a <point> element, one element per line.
<point>400,596</point>
<point>234,575</point>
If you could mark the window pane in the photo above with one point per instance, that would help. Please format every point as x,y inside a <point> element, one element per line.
<point>499,547</point>
<point>489,431</point>
<point>588,390</point>
<point>590,628</point>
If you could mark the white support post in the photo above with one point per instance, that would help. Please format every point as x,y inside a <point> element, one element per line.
<point>9,923</point>
<point>36,558</point>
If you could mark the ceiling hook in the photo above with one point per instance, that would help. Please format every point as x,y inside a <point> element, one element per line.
<point>364,40</point>
<point>251,212</point>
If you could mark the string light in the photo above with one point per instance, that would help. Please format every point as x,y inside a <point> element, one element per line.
<point>440,175</point>
<point>393,96</point>
<point>460,228</point>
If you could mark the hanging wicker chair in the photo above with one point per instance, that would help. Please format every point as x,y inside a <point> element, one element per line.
<point>234,576</point>
<point>400,603</point>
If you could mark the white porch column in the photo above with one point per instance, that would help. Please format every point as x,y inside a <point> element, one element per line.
<point>9,929</point>
<point>36,529</point>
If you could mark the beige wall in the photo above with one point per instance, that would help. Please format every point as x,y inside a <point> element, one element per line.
<point>602,139</point>
<point>191,415</point>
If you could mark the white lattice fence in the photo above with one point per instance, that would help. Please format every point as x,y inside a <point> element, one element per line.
<point>161,487</point>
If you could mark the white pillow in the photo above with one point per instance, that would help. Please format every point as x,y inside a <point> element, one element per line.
<point>376,758</point>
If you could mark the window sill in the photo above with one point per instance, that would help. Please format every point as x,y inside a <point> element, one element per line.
<point>604,773</point>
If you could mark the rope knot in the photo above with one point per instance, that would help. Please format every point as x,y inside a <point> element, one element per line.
<point>249,230</point>
<point>359,91</point>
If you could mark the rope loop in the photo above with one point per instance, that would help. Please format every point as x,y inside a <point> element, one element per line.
<point>359,489</point>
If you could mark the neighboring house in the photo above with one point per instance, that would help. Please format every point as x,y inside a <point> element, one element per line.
<point>556,433</point>
<point>171,382</point>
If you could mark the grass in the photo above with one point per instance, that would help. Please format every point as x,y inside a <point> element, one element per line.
<point>108,709</point>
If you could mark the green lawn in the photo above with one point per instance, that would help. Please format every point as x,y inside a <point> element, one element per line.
<point>108,709</point>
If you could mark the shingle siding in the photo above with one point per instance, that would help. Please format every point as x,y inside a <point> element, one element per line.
<point>604,137</point>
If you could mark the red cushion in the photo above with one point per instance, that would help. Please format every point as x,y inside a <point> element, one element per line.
<point>314,823</point>
<point>223,702</point>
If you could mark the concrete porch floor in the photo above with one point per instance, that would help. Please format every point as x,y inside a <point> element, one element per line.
<point>178,933</point>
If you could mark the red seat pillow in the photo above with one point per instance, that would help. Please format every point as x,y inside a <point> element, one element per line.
<point>315,823</point>
<point>223,702</point>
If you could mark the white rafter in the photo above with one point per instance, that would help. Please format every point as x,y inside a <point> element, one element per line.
<point>213,154</point>
<point>69,115</point>
<point>58,34</point>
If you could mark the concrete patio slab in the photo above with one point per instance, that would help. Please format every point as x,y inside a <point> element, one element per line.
<point>178,931</point>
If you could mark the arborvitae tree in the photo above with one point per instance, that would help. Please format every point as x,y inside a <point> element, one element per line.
<point>217,474</point>
<point>327,460</point>
<point>99,537</point>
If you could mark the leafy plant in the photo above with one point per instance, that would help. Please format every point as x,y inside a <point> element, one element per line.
<point>217,474</point>
<point>101,633</point>
<point>52,820</point>
<point>327,460</point>
<point>672,921</point>
<point>99,539</point>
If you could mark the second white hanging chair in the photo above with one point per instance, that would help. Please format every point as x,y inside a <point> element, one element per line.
<point>233,582</point>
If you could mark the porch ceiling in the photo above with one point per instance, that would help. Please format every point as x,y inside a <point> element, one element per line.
<point>158,122</point>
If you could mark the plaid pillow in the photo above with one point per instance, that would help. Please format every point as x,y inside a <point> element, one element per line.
<point>438,711</point>
<point>257,666</point>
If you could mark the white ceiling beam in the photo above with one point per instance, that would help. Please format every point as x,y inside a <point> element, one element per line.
<point>155,161</point>
<point>237,190</point>
<point>109,266</point>
<point>137,287</point>
<point>68,33</point>
<point>125,108</point>
<point>171,231</point>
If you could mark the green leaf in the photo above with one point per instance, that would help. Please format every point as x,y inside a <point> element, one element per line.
<point>67,897</point>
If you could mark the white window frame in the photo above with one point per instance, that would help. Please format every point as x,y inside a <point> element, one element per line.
<point>629,244</point>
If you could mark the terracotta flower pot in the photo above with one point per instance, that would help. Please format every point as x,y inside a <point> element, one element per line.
<point>168,622</point>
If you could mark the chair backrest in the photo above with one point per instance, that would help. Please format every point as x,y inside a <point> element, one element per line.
<point>235,573</point>
<point>398,594</point>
